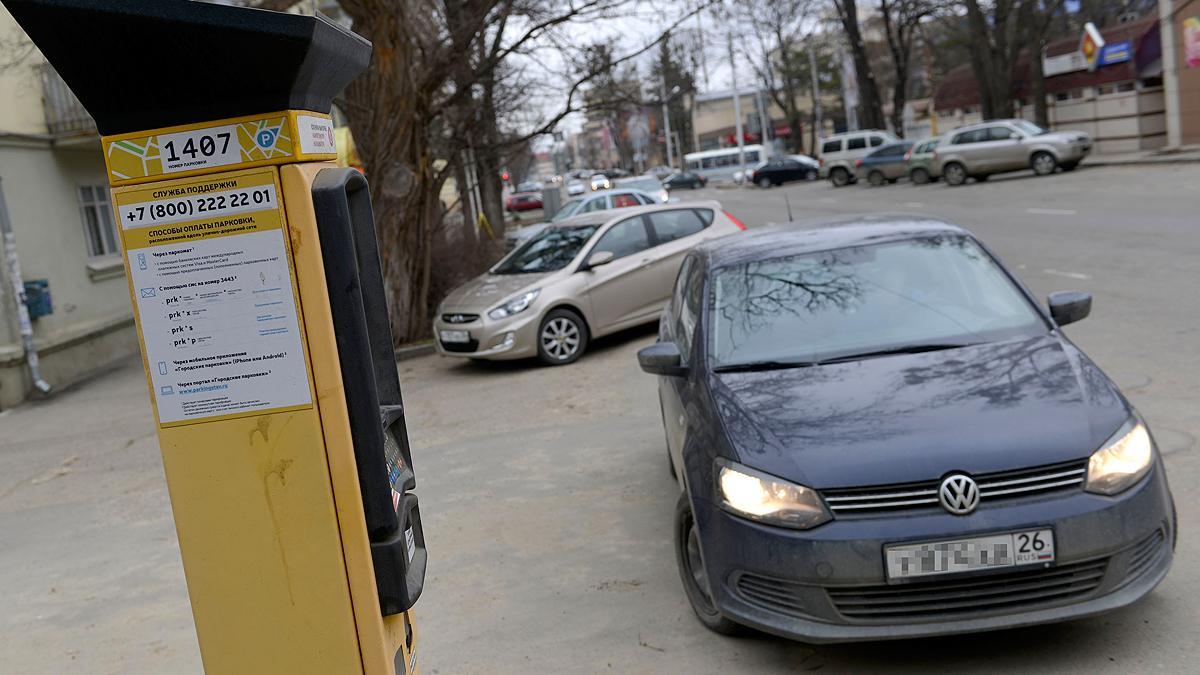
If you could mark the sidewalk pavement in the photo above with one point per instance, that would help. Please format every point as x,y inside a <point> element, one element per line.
<point>1184,154</point>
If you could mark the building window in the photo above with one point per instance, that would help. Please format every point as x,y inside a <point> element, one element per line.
<point>97,221</point>
<point>1114,88</point>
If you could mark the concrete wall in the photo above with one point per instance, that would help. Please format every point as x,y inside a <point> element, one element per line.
<point>20,80</point>
<point>92,320</point>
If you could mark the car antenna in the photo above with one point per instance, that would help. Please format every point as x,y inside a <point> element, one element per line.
<point>789,207</point>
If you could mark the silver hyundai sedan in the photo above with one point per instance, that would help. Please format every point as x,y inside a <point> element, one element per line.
<point>576,280</point>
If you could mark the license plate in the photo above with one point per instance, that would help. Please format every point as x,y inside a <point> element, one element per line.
<point>1013,549</point>
<point>454,336</point>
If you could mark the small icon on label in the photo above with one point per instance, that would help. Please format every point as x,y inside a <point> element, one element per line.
<point>266,138</point>
<point>166,391</point>
<point>162,367</point>
<point>141,257</point>
<point>149,293</point>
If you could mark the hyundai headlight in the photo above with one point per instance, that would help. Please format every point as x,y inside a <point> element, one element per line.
<point>515,305</point>
<point>767,499</point>
<point>1122,461</point>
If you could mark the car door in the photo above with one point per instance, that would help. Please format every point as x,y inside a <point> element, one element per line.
<point>1007,148</point>
<point>967,145</point>
<point>597,204</point>
<point>679,326</point>
<point>989,148</point>
<point>792,170</point>
<point>617,291</point>
<point>675,232</point>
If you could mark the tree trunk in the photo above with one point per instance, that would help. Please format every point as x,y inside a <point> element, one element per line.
<point>1040,113</point>
<point>899,98</point>
<point>868,90</point>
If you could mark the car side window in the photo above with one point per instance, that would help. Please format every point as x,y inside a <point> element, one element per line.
<point>625,238</point>
<point>1000,133</point>
<point>973,136</point>
<point>832,146</point>
<point>676,224</point>
<point>620,201</point>
<point>856,143</point>
<point>598,204</point>
<point>876,141</point>
<point>647,200</point>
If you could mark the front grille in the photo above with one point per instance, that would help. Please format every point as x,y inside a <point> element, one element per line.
<point>464,347</point>
<point>772,594</point>
<point>459,318</point>
<point>946,598</point>
<point>891,498</point>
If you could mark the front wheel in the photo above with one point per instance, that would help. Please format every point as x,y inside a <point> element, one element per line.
<point>839,177</point>
<point>764,182</point>
<point>876,179</point>
<point>954,173</point>
<point>692,572</point>
<point>1043,163</point>
<point>919,176</point>
<point>562,338</point>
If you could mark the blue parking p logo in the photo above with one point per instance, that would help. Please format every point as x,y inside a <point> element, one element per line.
<point>266,138</point>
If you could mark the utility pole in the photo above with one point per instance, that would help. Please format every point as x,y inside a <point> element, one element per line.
<point>763,118</point>
<point>662,91</point>
<point>1170,74</point>
<point>737,109</point>
<point>818,120</point>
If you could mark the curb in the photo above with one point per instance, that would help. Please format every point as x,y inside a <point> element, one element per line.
<point>1148,161</point>
<point>415,350</point>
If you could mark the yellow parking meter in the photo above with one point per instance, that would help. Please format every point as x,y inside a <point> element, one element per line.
<point>256,284</point>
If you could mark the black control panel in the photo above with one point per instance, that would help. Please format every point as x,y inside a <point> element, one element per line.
<point>346,226</point>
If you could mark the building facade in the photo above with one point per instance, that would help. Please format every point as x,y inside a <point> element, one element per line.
<point>56,190</point>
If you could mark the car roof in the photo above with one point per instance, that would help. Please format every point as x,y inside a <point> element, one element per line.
<point>791,239</point>
<point>601,217</point>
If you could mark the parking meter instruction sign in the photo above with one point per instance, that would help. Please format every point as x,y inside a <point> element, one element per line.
<point>213,290</point>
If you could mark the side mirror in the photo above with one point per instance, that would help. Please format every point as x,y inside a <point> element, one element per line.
<point>1069,306</point>
<point>662,358</point>
<point>597,259</point>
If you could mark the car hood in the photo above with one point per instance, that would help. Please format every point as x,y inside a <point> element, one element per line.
<point>1063,137</point>
<point>915,417</point>
<point>488,290</point>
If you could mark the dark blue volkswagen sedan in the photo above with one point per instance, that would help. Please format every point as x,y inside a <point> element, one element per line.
<point>880,433</point>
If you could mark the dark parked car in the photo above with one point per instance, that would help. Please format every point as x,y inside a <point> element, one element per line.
<point>782,170</point>
<point>684,179</point>
<point>879,433</point>
<point>885,165</point>
<point>524,201</point>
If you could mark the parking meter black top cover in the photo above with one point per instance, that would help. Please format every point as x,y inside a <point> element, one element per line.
<point>148,64</point>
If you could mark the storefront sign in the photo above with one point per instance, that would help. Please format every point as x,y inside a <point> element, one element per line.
<point>1063,63</point>
<point>1191,41</point>
<point>1117,52</point>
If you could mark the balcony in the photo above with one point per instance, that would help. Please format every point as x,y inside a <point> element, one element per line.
<point>65,115</point>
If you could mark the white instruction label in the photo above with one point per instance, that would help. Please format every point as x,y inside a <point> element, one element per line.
<point>316,134</point>
<point>211,280</point>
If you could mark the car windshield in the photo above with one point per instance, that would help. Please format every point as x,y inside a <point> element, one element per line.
<point>570,208</point>
<point>1030,128</point>
<point>547,251</point>
<point>913,295</point>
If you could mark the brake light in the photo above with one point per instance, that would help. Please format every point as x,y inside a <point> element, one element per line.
<point>857,163</point>
<point>739,224</point>
<point>907,155</point>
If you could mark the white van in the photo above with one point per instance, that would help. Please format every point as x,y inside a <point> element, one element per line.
<point>838,152</point>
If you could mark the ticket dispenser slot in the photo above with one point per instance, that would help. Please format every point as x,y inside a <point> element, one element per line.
<point>346,226</point>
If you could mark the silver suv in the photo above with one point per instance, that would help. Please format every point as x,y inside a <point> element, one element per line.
<point>979,150</point>
<point>838,152</point>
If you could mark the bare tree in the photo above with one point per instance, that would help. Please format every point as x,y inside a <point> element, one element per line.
<point>901,21</point>
<point>776,33</point>
<point>868,88</point>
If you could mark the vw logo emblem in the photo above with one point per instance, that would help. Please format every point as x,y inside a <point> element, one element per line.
<point>959,494</point>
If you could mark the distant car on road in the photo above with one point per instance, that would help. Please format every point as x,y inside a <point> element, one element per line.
<point>646,183</point>
<point>684,179</point>
<point>579,279</point>
<point>660,172</point>
<point>999,146</point>
<point>878,433</point>
<point>884,165</point>
<point>599,181</point>
<point>529,186</point>
<point>786,169</point>
<point>838,152</point>
<point>524,201</point>
<point>575,187</point>
<point>921,162</point>
<point>620,197</point>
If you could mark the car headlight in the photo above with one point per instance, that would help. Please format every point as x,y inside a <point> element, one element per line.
<point>516,305</point>
<point>767,499</point>
<point>664,196</point>
<point>1123,460</point>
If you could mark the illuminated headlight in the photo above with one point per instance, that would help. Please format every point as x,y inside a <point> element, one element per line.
<point>515,306</point>
<point>1123,460</point>
<point>664,196</point>
<point>767,499</point>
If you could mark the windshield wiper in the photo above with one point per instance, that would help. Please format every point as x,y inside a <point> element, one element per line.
<point>755,366</point>
<point>906,349</point>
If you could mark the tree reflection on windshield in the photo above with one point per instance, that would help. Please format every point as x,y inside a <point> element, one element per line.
<point>551,250</point>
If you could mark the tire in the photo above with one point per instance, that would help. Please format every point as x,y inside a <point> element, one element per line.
<point>955,174</point>
<point>919,176</point>
<point>764,182</point>
<point>839,177</point>
<point>811,174</point>
<point>562,338</point>
<point>1043,163</point>
<point>687,556</point>
<point>876,179</point>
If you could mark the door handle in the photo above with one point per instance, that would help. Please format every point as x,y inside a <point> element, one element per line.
<point>646,262</point>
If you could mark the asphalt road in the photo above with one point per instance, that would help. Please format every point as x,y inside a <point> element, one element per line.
<point>545,492</point>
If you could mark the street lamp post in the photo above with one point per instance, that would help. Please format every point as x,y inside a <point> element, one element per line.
<point>662,90</point>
